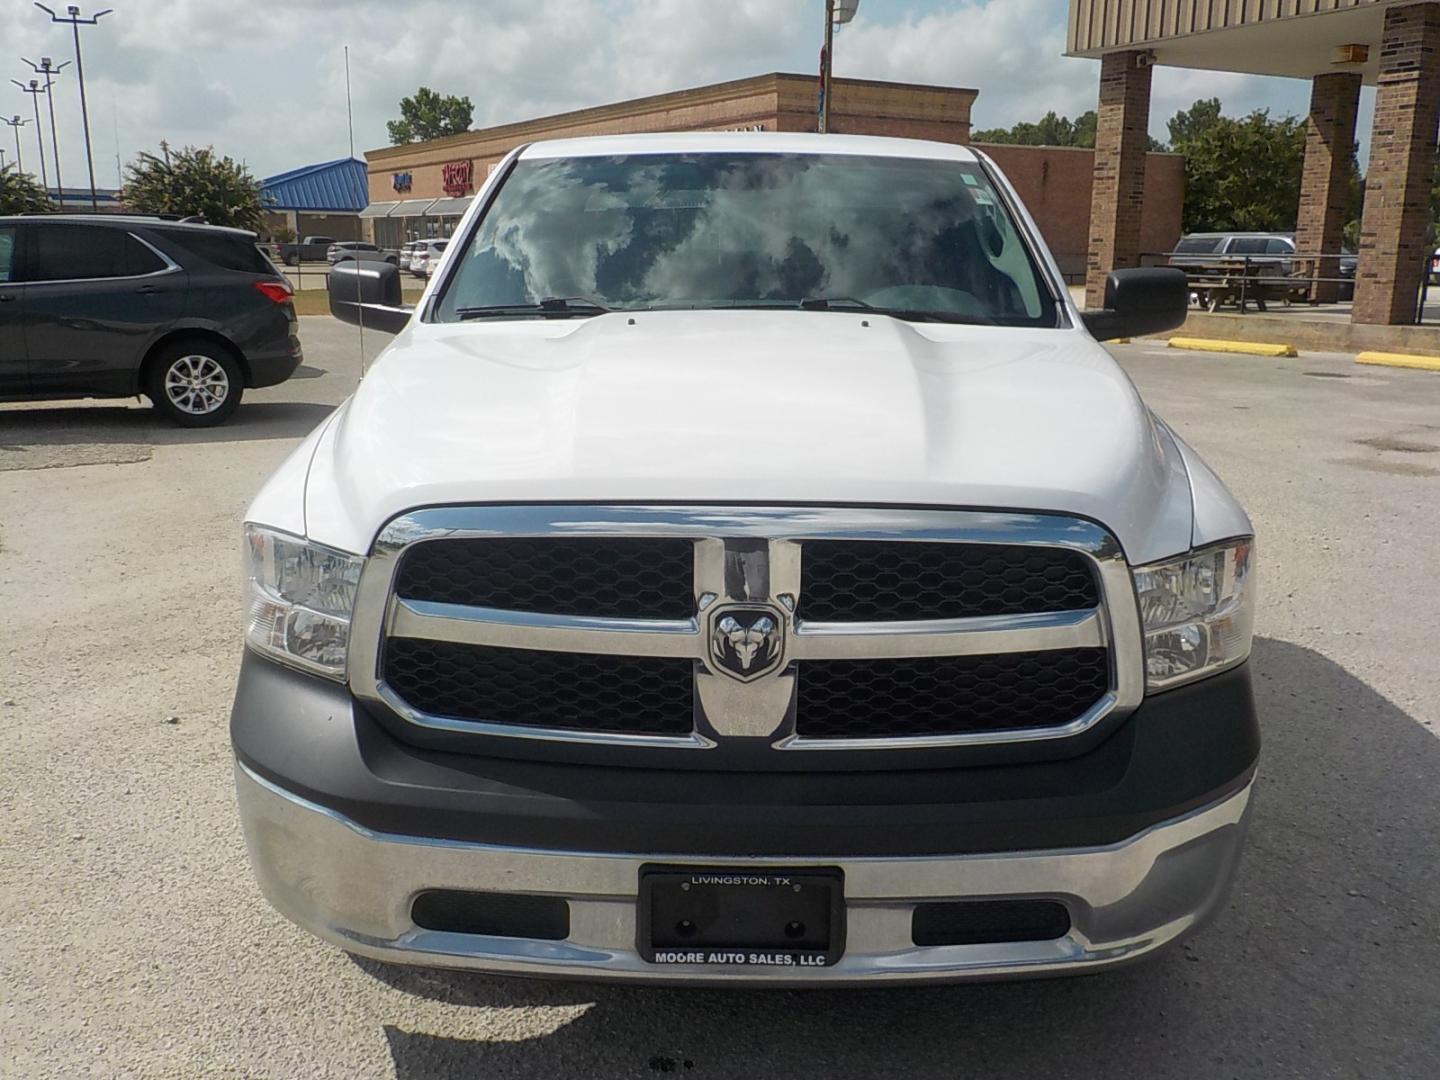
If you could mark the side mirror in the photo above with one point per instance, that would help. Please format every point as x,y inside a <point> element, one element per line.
<point>1142,301</point>
<point>368,294</point>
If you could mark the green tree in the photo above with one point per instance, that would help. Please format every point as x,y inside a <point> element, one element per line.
<point>1050,130</point>
<point>194,181</point>
<point>1240,174</point>
<point>429,115</point>
<point>21,193</point>
<point>1188,124</point>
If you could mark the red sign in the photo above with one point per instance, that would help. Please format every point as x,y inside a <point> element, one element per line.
<point>458,178</point>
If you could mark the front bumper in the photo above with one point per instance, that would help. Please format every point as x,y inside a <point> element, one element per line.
<point>354,887</point>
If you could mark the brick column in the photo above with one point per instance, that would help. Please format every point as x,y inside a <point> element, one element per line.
<point>1393,231</point>
<point>1121,141</point>
<point>1325,186</point>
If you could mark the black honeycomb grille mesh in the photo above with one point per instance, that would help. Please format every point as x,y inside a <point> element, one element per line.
<point>864,580</point>
<point>629,578</point>
<point>951,695</point>
<point>614,694</point>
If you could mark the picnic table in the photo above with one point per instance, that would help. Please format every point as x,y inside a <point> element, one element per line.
<point>1216,283</point>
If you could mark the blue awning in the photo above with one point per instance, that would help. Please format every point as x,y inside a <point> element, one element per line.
<point>340,186</point>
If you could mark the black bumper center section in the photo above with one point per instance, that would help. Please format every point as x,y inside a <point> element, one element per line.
<point>1177,752</point>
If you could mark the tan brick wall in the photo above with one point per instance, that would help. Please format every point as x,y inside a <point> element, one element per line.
<point>776,102</point>
<point>1118,196</point>
<point>1324,186</point>
<point>1393,231</point>
<point>1055,185</point>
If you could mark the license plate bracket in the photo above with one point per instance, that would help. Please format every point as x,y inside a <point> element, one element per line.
<point>741,917</point>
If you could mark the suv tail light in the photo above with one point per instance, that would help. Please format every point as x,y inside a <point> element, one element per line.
<point>279,292</point>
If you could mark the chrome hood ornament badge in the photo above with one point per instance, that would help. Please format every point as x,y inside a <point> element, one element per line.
<point>746,640</point>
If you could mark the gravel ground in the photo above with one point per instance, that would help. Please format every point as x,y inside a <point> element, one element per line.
<point>133,941</point>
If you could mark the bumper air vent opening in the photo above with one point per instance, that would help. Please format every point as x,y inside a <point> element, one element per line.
<point>456,911</point>
<point>986,922</point>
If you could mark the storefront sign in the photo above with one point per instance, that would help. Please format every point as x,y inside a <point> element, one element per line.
<point>458,178</point>
<point>401,182</point>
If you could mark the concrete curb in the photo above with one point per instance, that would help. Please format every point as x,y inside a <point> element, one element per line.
<point>1250,348</point>
<point>1402,360</point>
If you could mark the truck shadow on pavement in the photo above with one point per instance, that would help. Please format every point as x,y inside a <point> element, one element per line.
<point>43,437</point>
<point>1322,964</point>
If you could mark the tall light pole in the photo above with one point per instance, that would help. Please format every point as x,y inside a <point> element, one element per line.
<point>49,69</point>
<point>837,13</point>
<point>75,21</point>
<point>35,90</point>
<point>349,109</point>
<point>16,123</point>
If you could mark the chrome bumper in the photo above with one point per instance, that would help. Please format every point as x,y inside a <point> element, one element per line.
<point>354,888</point>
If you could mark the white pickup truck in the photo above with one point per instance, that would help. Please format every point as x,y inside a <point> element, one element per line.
<point>745,566</point>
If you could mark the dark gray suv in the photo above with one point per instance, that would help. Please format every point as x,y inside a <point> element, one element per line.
<point>188,315</point>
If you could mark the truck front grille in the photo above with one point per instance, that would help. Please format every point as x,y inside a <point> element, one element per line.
<point>866,580</point>
<point>622,577</point>
<point>948,695</point>
<point>813,629</point>
<point>531,688</point>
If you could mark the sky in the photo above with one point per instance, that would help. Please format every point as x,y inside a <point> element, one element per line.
<point>265,84</point>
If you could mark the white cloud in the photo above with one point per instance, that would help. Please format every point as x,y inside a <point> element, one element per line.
<point>267,84</point>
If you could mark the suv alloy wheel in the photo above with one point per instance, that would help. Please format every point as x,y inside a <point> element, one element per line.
<point>195,384</point>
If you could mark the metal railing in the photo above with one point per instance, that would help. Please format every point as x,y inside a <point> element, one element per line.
<point>1218,281</point>
<point>1240,280</point>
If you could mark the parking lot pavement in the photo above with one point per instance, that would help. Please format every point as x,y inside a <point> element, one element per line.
<point>136,944</point>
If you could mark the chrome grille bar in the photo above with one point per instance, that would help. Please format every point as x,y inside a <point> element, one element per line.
<point>554,633</point>
<point>948,637</point>
<point>433,621</point>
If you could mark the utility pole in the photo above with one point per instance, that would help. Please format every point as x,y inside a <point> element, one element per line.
<point>76,22</point>
<point>837,13</point>
<point>349,109</point>
<point>49,69</point>
<point>35,90</point>
<point>16,123</point>
<point>825,66</point>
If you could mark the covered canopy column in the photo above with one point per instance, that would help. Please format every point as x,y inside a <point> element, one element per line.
<point>1121,141</point>
<point>1394,232</point>
<point>1325,184</point>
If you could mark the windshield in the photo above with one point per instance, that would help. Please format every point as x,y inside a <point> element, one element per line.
<point>721,230</point>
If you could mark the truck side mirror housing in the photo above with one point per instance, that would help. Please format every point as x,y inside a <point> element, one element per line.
<point>1141,301</point>
<point>368,294</point>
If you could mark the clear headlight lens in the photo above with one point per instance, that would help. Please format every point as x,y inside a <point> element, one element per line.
<point>1198,613</point>
<point>299,598</point>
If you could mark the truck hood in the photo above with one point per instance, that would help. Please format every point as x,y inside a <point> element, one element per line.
<point>754,407</point>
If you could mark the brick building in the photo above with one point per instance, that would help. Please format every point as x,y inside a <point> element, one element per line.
<point>1339,45</point>
<point>421,190</point>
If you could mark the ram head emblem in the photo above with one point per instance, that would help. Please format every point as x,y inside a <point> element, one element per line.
<point>746,642</point>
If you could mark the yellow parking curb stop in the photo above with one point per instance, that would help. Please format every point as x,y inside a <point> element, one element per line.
<point>1405,360</point>
<point>1250,348</point>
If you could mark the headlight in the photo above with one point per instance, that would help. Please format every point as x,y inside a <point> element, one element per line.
<point>299,599</point>
<point>1198,613</point>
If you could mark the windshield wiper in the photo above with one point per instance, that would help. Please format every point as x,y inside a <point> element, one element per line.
<point>843,303</point>
<point>825,303</point>
<point>922,315</point>
<point>550,307</point>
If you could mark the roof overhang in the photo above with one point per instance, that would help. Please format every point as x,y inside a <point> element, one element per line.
<point>1300,46</point>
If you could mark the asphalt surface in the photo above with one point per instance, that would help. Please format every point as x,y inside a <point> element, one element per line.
<point>133,941</point>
